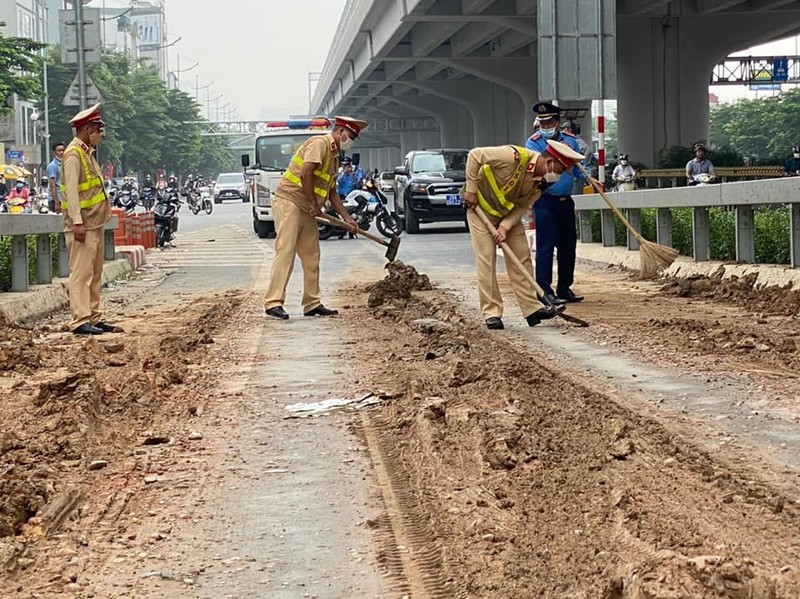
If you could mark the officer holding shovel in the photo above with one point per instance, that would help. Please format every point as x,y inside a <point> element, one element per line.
<point>503,182</point>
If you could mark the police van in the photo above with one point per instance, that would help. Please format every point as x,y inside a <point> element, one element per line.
<point>273,151</point>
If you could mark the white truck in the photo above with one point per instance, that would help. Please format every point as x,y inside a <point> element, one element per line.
<point>273,150</point>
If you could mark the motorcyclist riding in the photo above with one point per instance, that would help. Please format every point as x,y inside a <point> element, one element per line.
<point>792,166</point>
<point>623,171</point>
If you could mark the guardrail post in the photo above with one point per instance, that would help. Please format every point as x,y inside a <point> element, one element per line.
<point>607,228</point>
<point>700,237</point>
<point>745,237</point>
<point>585,226</point>
<point>63,256</point>
<point>108,250</point>
<point>635,219</point>
<point>794,234</point>
<point>19,263</point>
<point>44,259</point>
<point>664,227</point>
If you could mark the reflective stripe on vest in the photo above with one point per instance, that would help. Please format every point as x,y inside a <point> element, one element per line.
<point>90,183</point>
<point>322,173</point>
<point>500,194</point>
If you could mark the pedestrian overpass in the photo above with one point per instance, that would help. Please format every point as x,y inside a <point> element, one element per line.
<point>472,66</point>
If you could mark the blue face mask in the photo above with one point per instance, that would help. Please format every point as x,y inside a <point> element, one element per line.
<point>548,133</point>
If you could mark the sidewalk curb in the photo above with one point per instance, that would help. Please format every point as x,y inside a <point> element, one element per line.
<point>768,275</point>
<point>44,300</point>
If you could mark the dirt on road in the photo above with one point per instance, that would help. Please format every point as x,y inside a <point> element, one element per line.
<point>517,481</point>
<point>501,475</point>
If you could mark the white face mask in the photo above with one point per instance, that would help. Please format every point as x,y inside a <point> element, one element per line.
<point>346,144</point>
<point>551,177</point>
<point>623,162</point>
<point>796,154</point>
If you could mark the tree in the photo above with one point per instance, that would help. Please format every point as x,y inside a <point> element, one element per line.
<point>183,116</point>
<point>20,64</point>
<point>766,128</point>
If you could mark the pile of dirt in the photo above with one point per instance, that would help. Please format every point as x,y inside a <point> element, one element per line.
<point>519,482</point>
<point>740,291</point>
<point>398,284</point>
<point>70,401</point>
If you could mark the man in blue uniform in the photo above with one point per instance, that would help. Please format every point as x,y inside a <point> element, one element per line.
<point>554,213</point>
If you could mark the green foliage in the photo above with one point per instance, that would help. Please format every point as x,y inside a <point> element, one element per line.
<point>772,235</point>
<point>147,126</point>
<point>766,128</point>
<point>678,156</point>
<point>20,65</point>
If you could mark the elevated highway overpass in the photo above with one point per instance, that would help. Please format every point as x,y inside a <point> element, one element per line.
<point>472,66</point>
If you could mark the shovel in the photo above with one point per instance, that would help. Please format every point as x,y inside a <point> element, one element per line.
<point>391,246</point>
<point>521,267</point>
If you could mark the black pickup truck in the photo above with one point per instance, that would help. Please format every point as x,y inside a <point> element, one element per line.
<point>428,187</point>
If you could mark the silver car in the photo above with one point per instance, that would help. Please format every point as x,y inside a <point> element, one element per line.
<point>231,186</point>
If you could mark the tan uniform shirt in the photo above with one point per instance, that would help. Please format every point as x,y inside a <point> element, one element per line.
<point>72,175</point>
<point>504,160</point>
<point>315,149</point>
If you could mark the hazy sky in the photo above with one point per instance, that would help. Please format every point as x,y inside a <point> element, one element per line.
<point>258,53</point>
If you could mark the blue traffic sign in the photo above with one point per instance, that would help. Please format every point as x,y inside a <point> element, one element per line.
<point>13,154</point>
<point>780,69</point>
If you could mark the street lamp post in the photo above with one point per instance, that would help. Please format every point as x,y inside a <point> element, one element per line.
<point>178,71</point>
<point>216,100</point>
<point>197,87</point>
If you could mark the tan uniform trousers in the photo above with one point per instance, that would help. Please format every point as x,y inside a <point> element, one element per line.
<point>297,233</point>
<point>85,276</point>
<point>484,250</point>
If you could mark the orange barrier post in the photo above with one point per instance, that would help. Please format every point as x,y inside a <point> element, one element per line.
<point>120,234</point>
<point>136,230</point>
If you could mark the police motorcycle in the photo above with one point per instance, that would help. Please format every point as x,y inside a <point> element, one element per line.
<point>364,206</point>
<point>165,213</point>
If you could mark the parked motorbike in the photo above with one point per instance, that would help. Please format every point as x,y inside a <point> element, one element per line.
<point>165,215</point>
<point>365,205</point>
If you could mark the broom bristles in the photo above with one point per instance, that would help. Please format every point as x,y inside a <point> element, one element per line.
<point>653,258</point>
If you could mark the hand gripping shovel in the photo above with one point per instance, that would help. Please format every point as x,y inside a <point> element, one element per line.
<point>521,267</point>
<point>391,246</point>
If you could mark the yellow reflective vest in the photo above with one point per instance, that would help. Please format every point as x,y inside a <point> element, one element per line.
<point>497,204</point>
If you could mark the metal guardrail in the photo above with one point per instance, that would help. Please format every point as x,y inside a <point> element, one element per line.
<point>675,177</point>
<point>742,197</point>
<point>20,226</point>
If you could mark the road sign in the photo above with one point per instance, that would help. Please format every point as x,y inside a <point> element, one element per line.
<point>780,69</point>
<point>14,155</point>
<point>92,24</point>
<point>765,87</point>
<point>73,95</point>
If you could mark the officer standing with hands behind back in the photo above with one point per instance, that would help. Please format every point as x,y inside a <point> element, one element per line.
<point>554,213</point>
<point>86,211</point>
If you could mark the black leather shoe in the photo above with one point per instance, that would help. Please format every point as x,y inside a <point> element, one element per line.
<point>321,311</point>
<point>569,297</point>
<point>551,299</point>
<point>277,312</point>
<point>495,323</point>
<point>108,328</point>
<point>87,329</point>
<point>541,314</point>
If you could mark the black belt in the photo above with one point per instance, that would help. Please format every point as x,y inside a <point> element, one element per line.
<point>559,198</point>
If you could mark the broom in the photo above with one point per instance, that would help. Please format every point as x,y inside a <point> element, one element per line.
<point>653,257</point>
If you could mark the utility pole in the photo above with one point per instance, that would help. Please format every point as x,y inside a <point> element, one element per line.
<point>78,4</point>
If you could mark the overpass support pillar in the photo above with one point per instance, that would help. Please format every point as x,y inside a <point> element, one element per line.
<point>700,234</point>
<point>660,69</point>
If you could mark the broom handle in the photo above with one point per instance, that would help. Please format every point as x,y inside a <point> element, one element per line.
<point>509,254</point>
<point>611,205</point>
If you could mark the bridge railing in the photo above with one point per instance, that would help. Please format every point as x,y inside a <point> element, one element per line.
<point>20,227</point>
<point>741,197</point>
<point>675,177</point>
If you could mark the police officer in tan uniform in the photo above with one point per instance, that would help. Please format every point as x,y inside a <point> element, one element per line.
<point>308,183</point>
<point>86,210</point>
<point>504,181</point>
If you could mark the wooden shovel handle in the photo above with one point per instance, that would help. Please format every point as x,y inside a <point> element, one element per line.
<point>341,224</point>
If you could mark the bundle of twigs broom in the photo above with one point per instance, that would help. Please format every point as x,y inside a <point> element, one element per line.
<point>653,257</point>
